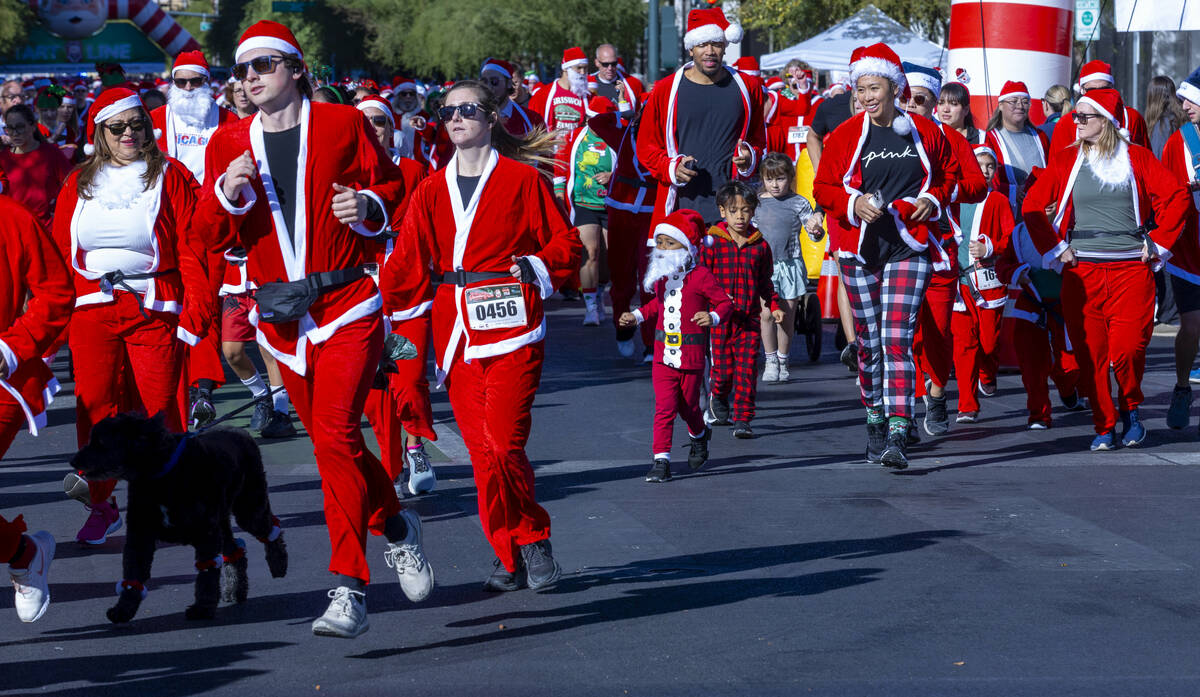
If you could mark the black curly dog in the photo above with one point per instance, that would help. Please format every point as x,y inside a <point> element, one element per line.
<point>183,489</point>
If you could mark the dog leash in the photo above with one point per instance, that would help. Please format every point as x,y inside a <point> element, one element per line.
<point>178,452</point>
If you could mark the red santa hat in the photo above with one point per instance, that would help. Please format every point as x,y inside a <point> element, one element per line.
<point>600,105</point>
<point>111,102</point>
<point>775,83</point>
<point>1013,88</point>
<point>193,61</point>
<point>748,65</point>
<point>572,57</point>
<point>903,210</point>
<point>880,60</point>
<point>684,226</point>
<point>1108,103</point>
<point>983,149</point>
<point>1092,71</point>
<point>496,65</point>
<point>705,26</point>
<point>267,34</point>
<point>375,101</point>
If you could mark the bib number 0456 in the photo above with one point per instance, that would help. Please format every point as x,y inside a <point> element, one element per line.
<point>495,307</point>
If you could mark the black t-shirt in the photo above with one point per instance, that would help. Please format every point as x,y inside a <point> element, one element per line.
<point>707,127</point>
<point>283,153</point>
<point>891,167</point>
<point>607,89</point>
<point>466,188</point>
<point>831,113</point>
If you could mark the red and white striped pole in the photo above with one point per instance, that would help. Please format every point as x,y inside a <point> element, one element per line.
<point>993,41</point>
<point>158,26</point>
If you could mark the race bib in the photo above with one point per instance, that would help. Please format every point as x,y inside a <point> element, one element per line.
<point>985,278</point>
<point>797,135</point>
<point>495,307</point>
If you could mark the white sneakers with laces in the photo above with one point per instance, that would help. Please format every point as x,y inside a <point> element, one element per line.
<point>408,559</point>
<point>346,616</point>
<point>32,590</point>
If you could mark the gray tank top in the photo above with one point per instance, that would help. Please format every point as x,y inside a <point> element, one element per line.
<point>1103,210</point>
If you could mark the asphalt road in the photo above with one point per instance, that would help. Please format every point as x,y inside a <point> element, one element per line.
<point>1003,562</point>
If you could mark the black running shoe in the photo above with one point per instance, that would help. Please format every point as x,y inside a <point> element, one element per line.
<point>849,356</point>
<point>540,567</point>
<point>895,453</point>
<point>502,580</point>
<point>278,426</point>
<point>876,441</point>
<point>699,452</point>
<point>741,429</point>
<point>202,412</point>
<point>262,415</point>
<point>660,471</point>
<point>937,422</point>
<point>717,413</point>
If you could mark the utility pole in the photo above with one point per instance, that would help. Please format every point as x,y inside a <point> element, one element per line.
<point>653,51</point>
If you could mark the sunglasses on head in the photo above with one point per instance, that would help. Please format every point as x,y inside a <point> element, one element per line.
<point>182,82</point>
<point>379,120</point>
<point>467,110</point>
<point>119,127</point>
<point>263,65</point>
<point>918,99</point>
<point>608,64</point>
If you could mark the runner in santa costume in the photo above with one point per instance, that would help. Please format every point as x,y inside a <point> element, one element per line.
<point>789,115</point>
<point>122,220</point>
<point>1181,155</point>
<point>1096,75</point>
<point>610,80</point>
<point>590,168</point>
<point>399,410</point>
<point>1103,192</point>
<point>1019,146</point>
<point>498,76</point>
<point>303,187</point>
<point>981,233</point>
<point>563,107</point>
<point>408,116</point>
<point>489,229</point>
<point>183,128</point>
<point>687,301</point>
<point>33,271</point>
<point>885,175</point>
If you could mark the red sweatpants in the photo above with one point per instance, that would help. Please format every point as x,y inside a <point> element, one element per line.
<point>123,362</point>
<point>12,420</point>
<point>976,336</point>
<point>1109,310</point>
<point>627,257</point>
<point>1044,354</point>
<point>675,392</point>
<point>404,406</point>
<point>10,536</point>
<point>329,400</point>
<point>933,344</point>
<point>734,374</point>
<point>492,398</point>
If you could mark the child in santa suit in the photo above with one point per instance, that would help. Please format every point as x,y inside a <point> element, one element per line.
<point>687,301</point>
<point>981,233</point>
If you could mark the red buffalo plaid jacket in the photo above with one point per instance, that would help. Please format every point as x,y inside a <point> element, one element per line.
<point>744,272</point>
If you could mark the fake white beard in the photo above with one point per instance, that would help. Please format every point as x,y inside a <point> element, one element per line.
<point>191,107</point>
<point>1113,172</point>
<point>578,84</point>
<point>664,262</point>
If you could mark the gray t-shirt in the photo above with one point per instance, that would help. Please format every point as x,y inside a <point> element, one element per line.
<point>1103,210</point>
<point>781,221</point>
<point>1024,151</point>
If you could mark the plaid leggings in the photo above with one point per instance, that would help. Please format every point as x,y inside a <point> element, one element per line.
<point>734,372</point>
<point>885,303</point>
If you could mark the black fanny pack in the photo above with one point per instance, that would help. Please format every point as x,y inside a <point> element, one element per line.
<point>281,302</point>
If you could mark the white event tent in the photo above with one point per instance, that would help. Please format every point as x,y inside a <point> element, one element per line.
<point>830,50</point>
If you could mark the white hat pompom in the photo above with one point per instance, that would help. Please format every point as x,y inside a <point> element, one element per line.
<point>733,33</point>
<point>89,149</point>
<point>901,125</point>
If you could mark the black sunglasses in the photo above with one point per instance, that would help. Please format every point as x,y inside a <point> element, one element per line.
<point>182,82</point>
<point>263,65</point>
<point>608,64</point>
<point>467,110</point>
<point>1083,118</point>
<point>379,120</point>
<point>118,128</point>
<point>918,99</point>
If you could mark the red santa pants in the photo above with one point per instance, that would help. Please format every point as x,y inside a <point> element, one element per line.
<point>627,256</point>
<point>933,344</point>
<point>976,336</point>
<point>1043,354</point>
<point>123,362</point>
<point>12,420</point>
<point>675,392</point>
<point>10,536</point>
<point>492,398</point>
<point>403,406</point>
<point>1109,309</point>
<point>329,400</point>
<point>734,374</point>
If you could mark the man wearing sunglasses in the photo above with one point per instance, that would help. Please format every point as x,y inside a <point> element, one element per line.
<point>1096,75</point>
<point>611,81</point>
<point>298,185</point>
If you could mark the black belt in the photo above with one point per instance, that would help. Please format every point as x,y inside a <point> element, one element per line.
<point>328,280</point>
<point>685,339</point>
<point>462,278</point>
<point>1093,234</point>
<point>635,182</point>
<point>114,280</point>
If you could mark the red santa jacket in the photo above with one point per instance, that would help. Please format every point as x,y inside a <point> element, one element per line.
<point>631,188</point>
<point>657,149</point>
<point>186,293</point>
<point>1006,181</point>
<point>168,127</point>
<point>1155,190</point>
<point>1185,253</point>
<point>512,213</point>
<point>336,146</point>
<point>840,176</point>
<point>33,271</point>
<point>1065,134</point>
<point>678,341</point>
<point>518,120</point>
<point>787,123</point>
<point>564,112</point>
<point>412,172</point>
<point>631,89</point>
<point>991,225</point>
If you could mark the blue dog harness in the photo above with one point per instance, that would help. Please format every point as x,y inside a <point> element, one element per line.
<point>175,456</point>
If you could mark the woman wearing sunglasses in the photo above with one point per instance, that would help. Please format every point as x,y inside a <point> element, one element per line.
<point>121,222</point>
<point>1019,147</point>
<point>1101,193</point>
<point>36,167</point>
<point>489,229</point>
<point>304,188</point>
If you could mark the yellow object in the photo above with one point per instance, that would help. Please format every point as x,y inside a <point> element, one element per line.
<point>813,252</point>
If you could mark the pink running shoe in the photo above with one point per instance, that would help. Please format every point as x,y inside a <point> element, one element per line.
<point>104,520</point>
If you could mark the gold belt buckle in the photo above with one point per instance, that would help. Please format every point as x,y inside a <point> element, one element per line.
<point>674,339</point>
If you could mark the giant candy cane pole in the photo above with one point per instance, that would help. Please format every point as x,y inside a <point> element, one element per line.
<point>993,41</point>
<point>160,27</point>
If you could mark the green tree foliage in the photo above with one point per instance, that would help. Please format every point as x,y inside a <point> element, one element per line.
<point>325,35</point>
<point>796,20</point>
<point>453,37</point>
<point>15,17</point>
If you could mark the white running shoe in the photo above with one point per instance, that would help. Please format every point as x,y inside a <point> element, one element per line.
<point>591,317</point>
<point>346,616</point>
<point>408,559</point>
<point>784,375</point>
<point>625,348</point>
<point>421,477</point>
<point>771,371</point>
<point>32,590</point>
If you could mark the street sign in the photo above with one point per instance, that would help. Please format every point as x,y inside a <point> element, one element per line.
<point>120,41</point>
<point>1087,20</point>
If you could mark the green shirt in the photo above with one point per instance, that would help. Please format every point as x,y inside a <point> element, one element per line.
<point>590,156</point>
